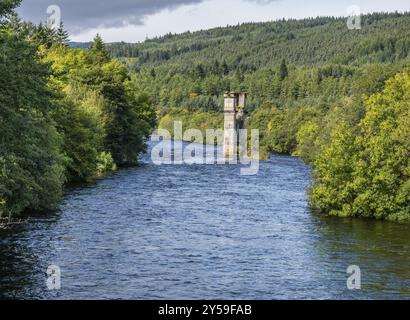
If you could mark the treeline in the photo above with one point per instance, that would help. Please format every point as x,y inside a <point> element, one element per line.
<point>329,40</point>
<point>65,115</point>
<point>361,166</point>
<point>285,122</point>
<point>191,120</point>
<point>192,70</point>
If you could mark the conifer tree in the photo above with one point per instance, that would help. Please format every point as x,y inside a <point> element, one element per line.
<point>283,70</point>
<point>7,7</point>
<point>62,36</point>
<point>98,51</point>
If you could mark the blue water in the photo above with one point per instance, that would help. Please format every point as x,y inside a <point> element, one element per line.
<point>202,232</point>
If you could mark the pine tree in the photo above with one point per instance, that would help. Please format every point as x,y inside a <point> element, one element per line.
<point>283,70</point>
<point>200,72</point>
<point>16,24</point>
<point>7,7</point>
<point>225,68</point>
<point>44,35</point>
<point>62,36</point>
<point>98,51</point>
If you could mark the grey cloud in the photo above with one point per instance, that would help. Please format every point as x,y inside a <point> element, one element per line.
<point>262,1</point>
<point>80,15</point>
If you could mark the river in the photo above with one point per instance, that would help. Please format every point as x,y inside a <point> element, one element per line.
<point>202,232</point>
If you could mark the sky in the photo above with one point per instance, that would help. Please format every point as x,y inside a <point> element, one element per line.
<point>136,20</point>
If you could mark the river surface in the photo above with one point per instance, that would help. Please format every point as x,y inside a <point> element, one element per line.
<point>202,232</point>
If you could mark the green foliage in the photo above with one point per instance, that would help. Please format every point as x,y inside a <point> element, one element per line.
<point>31,163</point>
<point>62,36</point>
<point>127,118</point>
<point>41,34</point>
<point>191,120</point>
<point>365,169</point>
<point>287,63</point>
<point>105,164</point>
<point>283,70</point>
<point>77,114</point>
<point>97,54</point>
<point>306,138</point>
<point>7,7</point>
<point>65,116</point>
<point>266,119</point>
<point>280,128</point>
<point>333,173</point>
<point>106,114</point>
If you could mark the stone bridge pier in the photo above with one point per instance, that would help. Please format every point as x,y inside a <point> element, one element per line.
<point>234,120</point>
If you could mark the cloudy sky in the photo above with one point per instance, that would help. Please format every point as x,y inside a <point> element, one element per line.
<point>135,20</point>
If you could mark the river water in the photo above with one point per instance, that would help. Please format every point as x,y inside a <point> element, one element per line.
<point>202,232</point>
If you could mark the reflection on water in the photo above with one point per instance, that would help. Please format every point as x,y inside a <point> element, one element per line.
<point>382,249</point>
<point>202,232</point>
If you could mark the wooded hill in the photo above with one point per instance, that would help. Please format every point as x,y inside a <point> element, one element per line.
<point>384,37</point>
<point>321,55</point>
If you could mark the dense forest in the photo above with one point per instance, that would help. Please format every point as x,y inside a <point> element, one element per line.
<point>284,62</point>
<point>336,97</point>
<point>66,115</point>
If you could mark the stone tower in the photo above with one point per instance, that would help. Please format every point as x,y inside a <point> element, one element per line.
<point>234,113</point>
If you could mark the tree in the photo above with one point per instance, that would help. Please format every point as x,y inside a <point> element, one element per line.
<point>98,53</point>
<point>125,133</point>
<point>364,170</point>
<point>66,118</point>
<point>32,166</point>
<point>200,71</point>
<point>382,172</point>
<point>7,7</point>
<point>333,190</point>
<point>40,35</point>
<point>283,70</point>
<point>62,36</point>
<point>225,68</point>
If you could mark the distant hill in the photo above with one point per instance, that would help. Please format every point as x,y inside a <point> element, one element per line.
<point>383,38</point>
<point>79,45</point>
<point>193,69</point>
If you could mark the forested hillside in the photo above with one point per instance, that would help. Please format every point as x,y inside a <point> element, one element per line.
<point>192,70</point>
